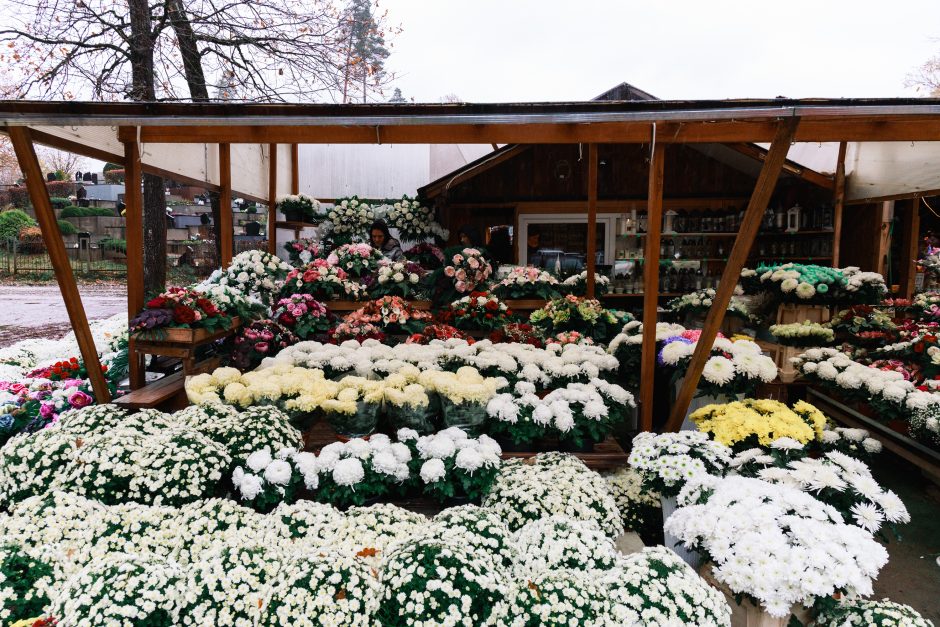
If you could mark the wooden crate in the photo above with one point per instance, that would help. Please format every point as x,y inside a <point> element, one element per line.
<point>789,312</point>
<point>184,336</point>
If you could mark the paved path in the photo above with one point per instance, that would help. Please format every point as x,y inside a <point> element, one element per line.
<point>29,311</point>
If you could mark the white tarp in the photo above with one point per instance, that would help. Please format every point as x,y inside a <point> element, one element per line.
<point>879,169</point>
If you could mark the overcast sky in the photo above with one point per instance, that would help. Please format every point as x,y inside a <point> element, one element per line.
<point>527,50</point>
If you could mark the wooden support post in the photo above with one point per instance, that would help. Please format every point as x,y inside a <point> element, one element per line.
<point>654,227</point>
<point>294,169</point>
<point>910,240</point>
<point>591,219</point>
<point>225,203</point>
<point>272,198</point>
<point>134,236</point>
<point>838,204</point>
<point>763,190</point>
<point>35,183</point>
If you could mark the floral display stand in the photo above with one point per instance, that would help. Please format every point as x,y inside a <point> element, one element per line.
<point>789,312</point>
<point>754,615</point>
<point>857,416</point>
<point>175,342</point>
<point>607,455</point>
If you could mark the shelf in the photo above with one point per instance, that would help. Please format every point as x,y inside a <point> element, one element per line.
<point>642,294</point>
<point>787,258</point>
<point>284,224</point>
<point>729,234</point>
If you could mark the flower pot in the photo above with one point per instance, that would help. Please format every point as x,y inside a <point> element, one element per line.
<point>421,419</point>
<point>360,423</point>
<point>293,215</point>
<point>569,446</point>
<point>754,615</point>
<point>467,416</point>
<point>690,557</point>
<point>509,446</point>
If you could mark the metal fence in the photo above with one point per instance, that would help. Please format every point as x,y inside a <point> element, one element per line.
<point>108,259</point>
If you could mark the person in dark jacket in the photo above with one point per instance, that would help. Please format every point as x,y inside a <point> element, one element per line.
<point>383,241</point>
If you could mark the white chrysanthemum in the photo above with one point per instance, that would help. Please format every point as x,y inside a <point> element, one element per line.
<point>259,460</point>
<point>432,470</point>
<point>348,472</point>
<point>673,352</point>
<point>468,459</point>
<point>251,486</point>
<point>278,472</point>
<point>786,444</point>
<point>718,370</point>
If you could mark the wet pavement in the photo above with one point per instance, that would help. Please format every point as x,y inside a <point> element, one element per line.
<point>31,311</point>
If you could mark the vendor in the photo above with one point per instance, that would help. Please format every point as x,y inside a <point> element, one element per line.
<point>383,241</point>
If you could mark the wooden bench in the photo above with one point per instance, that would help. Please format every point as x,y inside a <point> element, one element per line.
<point>167,393</point>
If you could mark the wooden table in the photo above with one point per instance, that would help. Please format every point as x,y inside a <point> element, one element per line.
<point>178,343</point>
<point>607,455</point>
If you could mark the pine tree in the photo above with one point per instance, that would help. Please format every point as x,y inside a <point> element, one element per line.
<point>365,49</point>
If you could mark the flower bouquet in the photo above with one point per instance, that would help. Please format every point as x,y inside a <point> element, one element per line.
<point>569,337</point>
<point>426,255</point>
<point>804,333</point>
<point>355,330</point>
<point>254,273</point>
<point>865,325</point>
<point>867,288</point>
<point>299,207</point>
<point>466,271</point>
<point>260,339</point>
<point>454,465</point>
<point>479,311</point>
<point>856,443</point>
<point>527,282</point>
<point>571,313</point>
<point>925,426</point>
<point>926,306</point>
<point>392,314</point>
<point>576,284</point>
<point>397,278</point>
<point>852,612</point>
<point>733,368</point>
<point>699,302</point>
<point>356,260</point>
<point>517,333</point>
<point>414,221</point>
<point>304,315</point>
<point>408,405</point>
<point>304,250</point>
<point>348,220</point>
<point>180,307</point>
<point>267,481</point>
<point>798,283</point>
<point>442,332</point>
<point>757,423</point>
<point>232,301</point>
<point>817,554</point>
<point>321,280</point>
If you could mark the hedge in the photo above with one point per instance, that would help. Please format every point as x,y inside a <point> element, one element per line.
<point>60,203</point>
<point>12,221</point>
<point>67,228</point>
<point>86,212</point>
<point>19,196</point>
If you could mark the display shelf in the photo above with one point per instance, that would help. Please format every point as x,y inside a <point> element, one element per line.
<point>296,226</point>
<point>641,295</point>
<point>727,233</point>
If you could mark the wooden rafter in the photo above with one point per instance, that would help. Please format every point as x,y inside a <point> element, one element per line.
<point>272,198</point>
<point>134,238</point>
<point>294,168</point>
<point>45,215</point>
<point>654,227</point>
<point>838,194</point>
<point>763,190</point>
<point>225,203</point>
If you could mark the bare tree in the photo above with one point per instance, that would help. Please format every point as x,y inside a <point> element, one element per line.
<point>9,166</point>
<point>52,160</point>
<point>926,77</point>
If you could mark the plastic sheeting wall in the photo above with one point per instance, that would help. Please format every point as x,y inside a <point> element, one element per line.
<point>879,169</point>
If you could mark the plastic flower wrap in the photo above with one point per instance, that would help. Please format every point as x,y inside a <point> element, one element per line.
<point>348,220</point>
<point>304,315</point>
<point>804,333</point>
<point>398,278</point>
<point>743,524</point>
<point>758,422</point>
<point>517,333</point>
<point>441,332</point>
<point>668,461</point>
<point>527,282</point>
<point>414,221</point>
<point>322,281</point>
<point>552,484</point>
<point>355,330</point>
<point>356,260</point>
<point>569,337</point>
<point>576,284</point>
<point>392,314</point>
<point>480,311</point>
<point>255,273</point>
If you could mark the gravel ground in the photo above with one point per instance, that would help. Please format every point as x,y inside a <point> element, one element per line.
<point>31,311</point>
